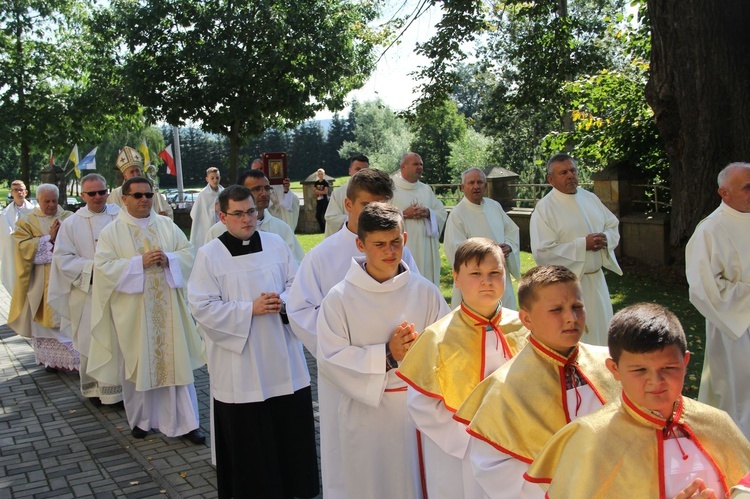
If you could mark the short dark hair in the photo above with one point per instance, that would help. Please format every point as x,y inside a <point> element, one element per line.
<point>376,217</point>
<point>474,250</point>
<point>135,180</point>
<point>644,328</point>
<point>539,278</point>
<point>359,157</point>
<point>234,193</point>
<point>250,174</point>
<point>371,180</point>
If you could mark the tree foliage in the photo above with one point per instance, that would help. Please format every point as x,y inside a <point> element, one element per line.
<point>239,67</point>
<point>379,134</point>
<point>435,128</point>
<point>50,94</point>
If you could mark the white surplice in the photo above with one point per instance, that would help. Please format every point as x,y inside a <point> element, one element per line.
<point>250,358</point>
<point>70,287</point>
<point>10,215</point>
<point>489,220</point>
<point>377,441</point>
<point>284,206</point>
<point>323,267</point>
<point>717,258</point>
<point>424,234</point>
<point>204,215</point>
<point>269,224</point>
<point>336,214</point>
<point>145,312</point>
<point>558,230</point>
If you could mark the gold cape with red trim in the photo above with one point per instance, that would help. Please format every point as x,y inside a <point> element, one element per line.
<point>447,360</point>
<point>520,406</point>
<point>26,238</point>
<point>614,451</point>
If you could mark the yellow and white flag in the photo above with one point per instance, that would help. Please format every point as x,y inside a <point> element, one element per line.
<point>143,149</point>
<point>74,159</point>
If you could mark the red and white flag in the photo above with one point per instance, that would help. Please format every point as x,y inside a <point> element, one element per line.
<point>168,158</point>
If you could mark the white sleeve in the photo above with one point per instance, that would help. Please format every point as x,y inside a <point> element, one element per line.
<point>432,418</point>
<point>226,323</point>
<point>132,280</point>
<point>547,250</point>
<point>432,225</point>
<point>357,371</point>
<point>173,273</point>
<point>499,474</point>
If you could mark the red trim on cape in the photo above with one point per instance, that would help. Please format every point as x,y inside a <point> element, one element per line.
<point>422,473</point>
<point>425,392</point>
<point>499,447</point>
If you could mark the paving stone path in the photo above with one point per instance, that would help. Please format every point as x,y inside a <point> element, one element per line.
<point>56,443</point>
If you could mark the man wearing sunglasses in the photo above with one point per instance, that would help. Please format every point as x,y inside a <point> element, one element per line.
<point>141,265</point>
<point>130,163</point>
<point>72,276</point>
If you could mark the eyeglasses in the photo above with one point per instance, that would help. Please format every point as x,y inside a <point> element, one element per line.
<point>241,214</point>
<point>103,192</point>
<point>139,195</point>
<point>259,188</point>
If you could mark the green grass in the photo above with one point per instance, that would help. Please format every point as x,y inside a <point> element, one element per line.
<point>635,285</point>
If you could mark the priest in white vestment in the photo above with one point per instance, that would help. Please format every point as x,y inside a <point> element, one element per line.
<point>260,384</point>
<point>141,266</point>
<point>29,315</point>
<point>424,215</point>
<point>284,203</point>
<point>365,326</point>
<point>11,214</point>
<point>323,267</point>
<point>571,227</point>
<point>718,271</point>
<point>205,210</point>
<point>336,212</point>
<point>72,276</point>
<point>479,216</point>
<point>257,182</point>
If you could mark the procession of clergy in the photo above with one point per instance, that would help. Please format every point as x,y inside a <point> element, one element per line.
<point>497,398</point>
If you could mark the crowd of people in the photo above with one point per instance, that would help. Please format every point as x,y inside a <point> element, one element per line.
<point>543,393</point>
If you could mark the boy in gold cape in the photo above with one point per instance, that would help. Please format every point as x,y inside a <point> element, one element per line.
<point>651,442</point>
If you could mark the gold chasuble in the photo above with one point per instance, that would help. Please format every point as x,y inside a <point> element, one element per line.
<point>447,360</point>
<point>154,329</point>
<point>32,280</point>
<point>520,406</point>
<point>619,451</point>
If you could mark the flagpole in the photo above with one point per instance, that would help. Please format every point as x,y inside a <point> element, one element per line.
<point>177,162</point>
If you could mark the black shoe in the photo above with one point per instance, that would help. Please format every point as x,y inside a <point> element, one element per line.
<point>138,433</point>
<point>95,401</point>
<point>51,369</point>
<point>196,436</point>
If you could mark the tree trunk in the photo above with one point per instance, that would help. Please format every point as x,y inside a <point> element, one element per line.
<point>699,89</point>
<point>234,151</point>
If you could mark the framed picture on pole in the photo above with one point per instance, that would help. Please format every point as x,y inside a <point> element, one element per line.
<point>274,167</point>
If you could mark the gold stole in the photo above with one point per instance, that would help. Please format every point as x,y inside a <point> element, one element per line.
<point>157,302</point>
<point>447,360</point>
<point>520,406</point>
<point>620,448</point>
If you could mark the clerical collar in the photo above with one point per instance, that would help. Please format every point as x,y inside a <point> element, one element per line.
<point>104,210</point>
<point>238,247</point>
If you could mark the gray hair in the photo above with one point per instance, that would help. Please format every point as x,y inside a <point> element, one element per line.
<point>463,174</point>
<point>47,188</point>
<point>559,158</point>
<point>93,176</point>
<point>724,173</point>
